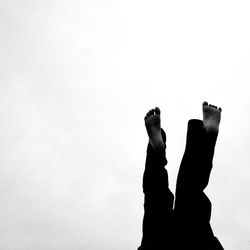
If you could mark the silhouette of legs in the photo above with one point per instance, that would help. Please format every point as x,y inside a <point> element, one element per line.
<point>192,210</point>
<point>158,199</point>
<point>188,226</point>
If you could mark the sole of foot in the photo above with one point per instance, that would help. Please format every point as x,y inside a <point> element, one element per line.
<point>211,117</point>
<point>153,127</point>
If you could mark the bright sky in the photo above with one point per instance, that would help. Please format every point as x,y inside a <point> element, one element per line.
<point>77,78</point>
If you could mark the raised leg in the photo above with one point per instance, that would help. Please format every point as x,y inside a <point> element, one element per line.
<point>158,199</point>
<point>192,207</point>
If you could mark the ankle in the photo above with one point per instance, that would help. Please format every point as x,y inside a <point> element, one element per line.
<point>157,143</point>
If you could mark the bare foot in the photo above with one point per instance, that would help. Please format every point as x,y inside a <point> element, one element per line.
<point>211,117</point>
<point>153,126</point>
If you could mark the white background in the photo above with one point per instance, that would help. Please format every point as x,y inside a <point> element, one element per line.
<point>76,79</point>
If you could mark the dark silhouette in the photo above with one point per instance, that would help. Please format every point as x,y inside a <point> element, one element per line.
<point>185,225</point>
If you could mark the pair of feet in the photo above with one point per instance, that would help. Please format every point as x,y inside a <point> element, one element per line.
<point>211,121</point>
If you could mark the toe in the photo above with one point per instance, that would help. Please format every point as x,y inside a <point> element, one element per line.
<point>205,103</point>
<point>157,111</point>
<point>149,112</point>
<point>220,109</point>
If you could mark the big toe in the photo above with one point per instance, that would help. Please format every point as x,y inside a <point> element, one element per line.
<point>205,103</point>
<point>157,111</point>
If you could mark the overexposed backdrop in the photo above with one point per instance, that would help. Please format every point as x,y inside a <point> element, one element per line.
<point>76,79</point>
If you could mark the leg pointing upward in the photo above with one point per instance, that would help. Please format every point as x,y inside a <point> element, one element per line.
<point>192,206</point>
